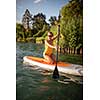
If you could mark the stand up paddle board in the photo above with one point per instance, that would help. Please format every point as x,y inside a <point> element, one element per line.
<point>62,66</point>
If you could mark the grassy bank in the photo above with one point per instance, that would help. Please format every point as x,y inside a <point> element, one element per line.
<point>71,58</point>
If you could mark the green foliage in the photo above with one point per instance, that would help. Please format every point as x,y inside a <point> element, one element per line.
<point>19,27</point>
<point>70,20</point>
<point>42,32</point>
<point>53,29</point>
<point>72,58</point>
<point>38,22</point>
<point>72,24</point>
<point>52,20</point>
<point>39,34</point>
<point>45,34</point>
<point>28,33</point>
<point>40,40</point>
<point>19,31</point>
<point>39,27</point>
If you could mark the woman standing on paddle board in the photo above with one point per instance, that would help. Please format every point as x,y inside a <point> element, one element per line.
<point>48,52</point>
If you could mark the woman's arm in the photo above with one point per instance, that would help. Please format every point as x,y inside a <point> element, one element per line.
<point>54,37</point>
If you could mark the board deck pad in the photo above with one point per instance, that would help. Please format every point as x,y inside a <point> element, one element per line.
<point>41,60</point>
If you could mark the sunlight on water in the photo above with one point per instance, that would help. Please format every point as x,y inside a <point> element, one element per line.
<point>34,83</point>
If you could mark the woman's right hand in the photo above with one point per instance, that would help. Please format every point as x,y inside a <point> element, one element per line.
<point>56,47</point>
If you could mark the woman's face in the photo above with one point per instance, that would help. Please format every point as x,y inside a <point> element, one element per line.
<point>50,35</point>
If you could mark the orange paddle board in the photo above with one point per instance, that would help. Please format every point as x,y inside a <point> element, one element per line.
<point>62,66</point>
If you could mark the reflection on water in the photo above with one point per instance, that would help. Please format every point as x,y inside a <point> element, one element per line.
<point>34,83</point>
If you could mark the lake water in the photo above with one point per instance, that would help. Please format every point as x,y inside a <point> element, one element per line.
<point>34,83</point>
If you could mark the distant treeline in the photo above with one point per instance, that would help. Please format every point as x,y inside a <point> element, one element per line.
<point>34,27</point>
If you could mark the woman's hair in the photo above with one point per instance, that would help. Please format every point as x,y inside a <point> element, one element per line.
<point>50,34</point>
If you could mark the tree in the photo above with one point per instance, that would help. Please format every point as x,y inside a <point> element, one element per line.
<point>27,17</point>
<point>52,20</point>
<point>19,31</point>
<point>72,23</point>
<point>39,24</point>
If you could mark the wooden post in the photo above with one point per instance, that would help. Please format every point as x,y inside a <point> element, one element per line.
<point>81,51</point>
<point>75,51</point>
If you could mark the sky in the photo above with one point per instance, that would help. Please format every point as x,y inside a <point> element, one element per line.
<point>47,7</point>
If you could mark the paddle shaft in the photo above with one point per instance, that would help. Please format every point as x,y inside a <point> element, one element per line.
<point>57,43</point>
<point>56,72</point>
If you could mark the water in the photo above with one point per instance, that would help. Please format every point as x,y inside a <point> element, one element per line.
<point>34,83</point>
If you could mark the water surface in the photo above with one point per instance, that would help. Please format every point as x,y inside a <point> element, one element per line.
<point>34,83</point>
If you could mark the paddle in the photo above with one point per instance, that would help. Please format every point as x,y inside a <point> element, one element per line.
<point>56,72</point>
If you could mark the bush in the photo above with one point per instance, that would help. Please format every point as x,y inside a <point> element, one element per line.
<point>40,40</point>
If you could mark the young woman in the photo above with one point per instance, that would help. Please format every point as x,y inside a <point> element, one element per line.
<point>48,52</point>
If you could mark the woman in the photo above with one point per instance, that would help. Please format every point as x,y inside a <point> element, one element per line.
<point>48,52</point>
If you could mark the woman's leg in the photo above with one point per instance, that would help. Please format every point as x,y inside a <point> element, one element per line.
<point>48,59</point>
<point>53,57</point>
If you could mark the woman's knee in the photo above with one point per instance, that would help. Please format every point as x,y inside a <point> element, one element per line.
<point>49,59</point>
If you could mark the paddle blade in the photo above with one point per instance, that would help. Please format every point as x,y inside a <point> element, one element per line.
<point>55,73</point>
